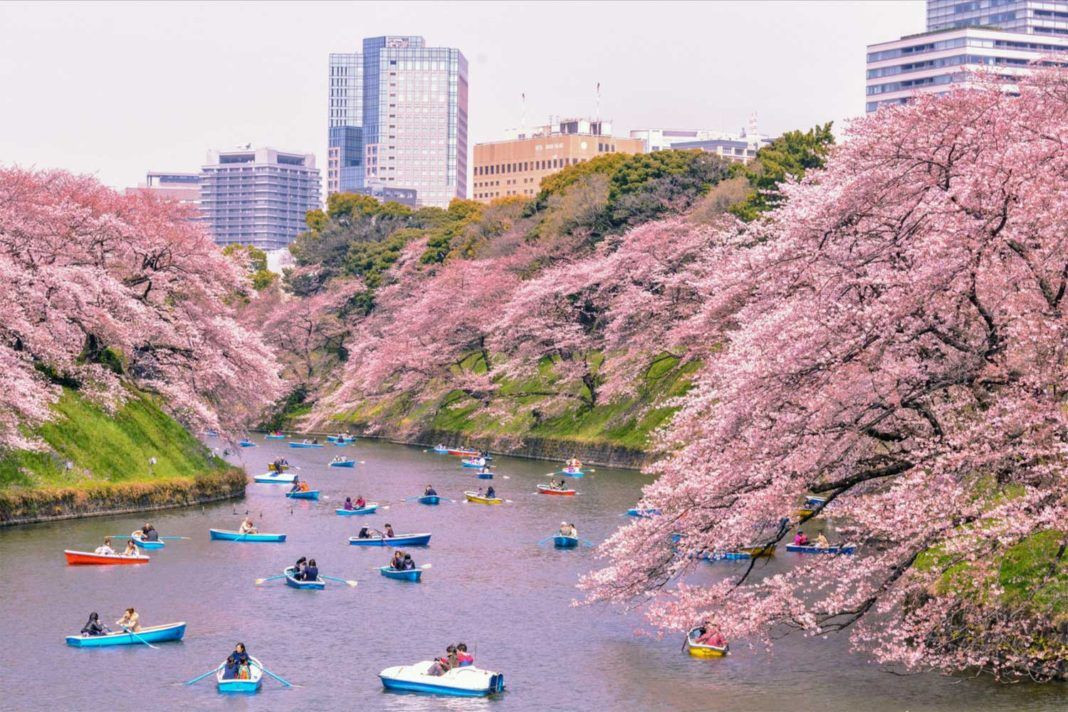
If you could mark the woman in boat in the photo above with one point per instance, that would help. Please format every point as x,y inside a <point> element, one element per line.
<point>242,660</point>
<point>490,492</point>
<point>130,621</point>
<point>397,562</point>
<point>408,563</point>
<point>93,626</point>
<point>131,548</point>
<point>463,656</point>
<point>311,571</point>
<point>800,539</point>
<point>389,531</point>
<point>247,527</point>
<point>298,568</point>
<point>430,491</point>
<point>821,541</point>
<point>348,504</point>
<point>360,502</point>
<point>149,533</point>
<point>568,530</point>
<point>105,548</point>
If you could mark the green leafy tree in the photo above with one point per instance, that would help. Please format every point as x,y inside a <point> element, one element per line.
<point>788,156</point>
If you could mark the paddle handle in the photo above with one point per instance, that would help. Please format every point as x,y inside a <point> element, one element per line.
<point>198,678</point>
<point>276,677</point>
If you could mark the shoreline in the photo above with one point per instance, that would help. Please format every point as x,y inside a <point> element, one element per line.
<point>21,506</point>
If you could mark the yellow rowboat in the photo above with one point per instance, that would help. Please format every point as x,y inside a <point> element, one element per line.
<point>758,551</point>
<point>700,650</point>
<point>476,497</point>
<point>804,512</point>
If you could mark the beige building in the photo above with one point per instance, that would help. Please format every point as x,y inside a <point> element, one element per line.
<point>516,166</point>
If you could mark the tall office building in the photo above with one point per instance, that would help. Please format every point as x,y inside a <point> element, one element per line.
<point>960,42</point>
<point>1040,17</point>
<point>183,187</point>
<point>516,166</point>
<point>398,120</point>
<point>258,196</point>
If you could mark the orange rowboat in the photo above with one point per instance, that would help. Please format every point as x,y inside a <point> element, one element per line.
<point>84,558</point>
<point>546,489</point>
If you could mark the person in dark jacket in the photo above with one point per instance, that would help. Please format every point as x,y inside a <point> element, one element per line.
<point>230,668</point>
<point>491,493</point>
<point>93,626</point>
<point>240,655</point>
<point>311,571</point>
<point>409,564</point>
<point>149,533</point>
<point>430,491</point>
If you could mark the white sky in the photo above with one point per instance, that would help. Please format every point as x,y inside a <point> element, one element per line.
<point>115,89</point>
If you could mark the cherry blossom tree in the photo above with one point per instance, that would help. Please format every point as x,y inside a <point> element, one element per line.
<point>102,288</point>
<point>894,342</point>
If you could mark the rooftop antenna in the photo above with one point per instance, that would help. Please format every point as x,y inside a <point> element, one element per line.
<point>598,114</point>
<point>523,116</point>
<point>752,130</point>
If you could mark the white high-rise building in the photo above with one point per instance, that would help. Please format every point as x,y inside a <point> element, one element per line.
<point>1039,17</point>
<point>398,120</point>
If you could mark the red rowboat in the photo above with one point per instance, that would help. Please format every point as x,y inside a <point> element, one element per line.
<point>81,558</point>
<point>464,453</point>
<point>546,489</point>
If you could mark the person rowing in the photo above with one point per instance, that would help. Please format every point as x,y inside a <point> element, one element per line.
<point>149,533</point>
<point>298,568</point>
<point>568,530</point>
<point>707,635</point>
<point>247,527</point>
<point>360,502</point>
<point>311,571</point>
<point>397,562</point>
<point>237,664</point>
<point>93,626</point>
<point>130,621</point>
<point>389,531</point>
<point>491,493</point>
<point>821,542</point>
<point>296,484</point>
<point>105,548</point>
<point>409,563</point>
<point>365,533</point>
<point>430,491</point>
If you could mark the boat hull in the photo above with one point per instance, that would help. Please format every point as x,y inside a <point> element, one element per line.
<point>430,499</point>
<point>247,443</point>
<point>316,585</point>
<point>644,513</point>
<point>565,542</point>
<point>155,634</point>
<point>484,475</point>
<point>227,535</point>
<point>369,509</point>
<point>832,550</point>
<point>472,497</point>
<point>275,437</point>
<point>463,453</point>
<point>88,558</point>
<point>465,681</point>
<point>305,445</point>
<point>241,687</point>
<point>348,463</point>
<point>274,479</point>
<point>406,540</point>
<point>473,463</point>
<point>542,489</point>
<point>141,544</point>
<point>409,575</point>
<point>572,472</point>
<point>310,494</point>
<point>704,651</point>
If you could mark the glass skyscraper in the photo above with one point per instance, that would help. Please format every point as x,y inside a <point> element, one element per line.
<point>1040,17</point>
<point>398,120</point>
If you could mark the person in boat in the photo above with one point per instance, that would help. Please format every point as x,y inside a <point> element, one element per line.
<point>568,530</point>
<point>430,491</point>
<point>800,539</point>
<point>443,664</point>
<point>243,662</point>
<point>364,533</point>
<point>311,571</point>
<point>348,504</point>
<point>708,635</point>
<point>360,502</point>
<point>315,441</point>
<point>105,548</point>
<point>93,626</point>
<point>247,527</point>
<point>149,533</point>
<point>304,487</point>
<point>462,656</point>
<point>130,621</point>
<point>230,668</point>
<point>296,484</point>
<point>479,493</point>
<point>491,493</point>
<point>389,531</point>
<point>409,563</point>
<point>298,568</point>
<point>131,548</point>
<point>397,562</point>
<point>821,541</point>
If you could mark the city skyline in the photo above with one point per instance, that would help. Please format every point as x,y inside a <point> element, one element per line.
<point>266,89</point>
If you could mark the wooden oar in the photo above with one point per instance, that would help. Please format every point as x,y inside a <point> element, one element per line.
<point>269,578</point>
<point>546,539</point>
<point>174,537</point>
<point>339,580</point>
<point>276,677</point>
<point>198,678</point>
<point>139,638</point>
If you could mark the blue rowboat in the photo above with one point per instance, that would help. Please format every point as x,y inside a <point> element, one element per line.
<point>317,585</point>
<point>369,509</point>
<point>565,542</point>
<point>635,512</point>
<point>477,462</point>
<point>343,463</point>
<point>227,535</point>
<point>429,499</point>
<point>484,475</point>
<point>727,556</point>
<point>274,478</point>
<point>401,575</point>
<point>799,549</point>
<point>571,472</point>
<point>441,450</point>
<point>305,445</point>
<point>273,436</point>
<point>247,443</point>
<point>463,681</point>
<point>310,494</point>
<point>813,501</point>
<point>400,540</point>
<point>235,685</point>
<point>153,634</point>
<point>342,440</point>
<point>141,543</point>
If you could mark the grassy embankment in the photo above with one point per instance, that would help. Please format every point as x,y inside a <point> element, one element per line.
<point>110,454</point>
